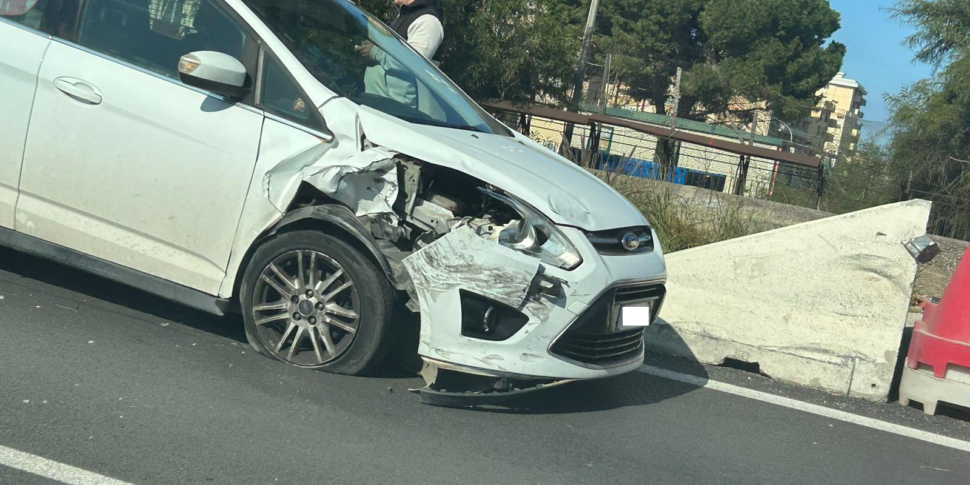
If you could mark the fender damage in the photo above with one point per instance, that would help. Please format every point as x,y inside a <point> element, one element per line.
<point>482,304</point>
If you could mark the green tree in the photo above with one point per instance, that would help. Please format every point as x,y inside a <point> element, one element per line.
<point>509,49</point>
<point>866,181</point>
<point>766,50</point>
<point>943,28</point>
<point>772,51</point>
<point>516,50</point>
<point>776,51</point>
<point>382,9</point>
<point>931,118</point>
<point>651,40</point>
<point>525,50</point>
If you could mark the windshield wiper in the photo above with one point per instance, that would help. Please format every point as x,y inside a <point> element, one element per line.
<point>449,125</point>
<point>466,128</point>
<point>439,124</point>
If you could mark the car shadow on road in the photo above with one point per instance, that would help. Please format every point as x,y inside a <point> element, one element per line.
<point>626,390</point>
<point>71,284</point>
<point>631,389</point>
<point>129,299</point>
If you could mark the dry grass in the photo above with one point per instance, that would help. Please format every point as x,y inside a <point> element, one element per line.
<point>682,222</point>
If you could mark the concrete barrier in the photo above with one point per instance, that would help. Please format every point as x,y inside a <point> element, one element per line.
<point>821,304</point>
<point>764,215</point>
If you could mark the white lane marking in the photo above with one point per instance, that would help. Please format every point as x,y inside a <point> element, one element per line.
<point>52,469</point>
<point>809,408</point>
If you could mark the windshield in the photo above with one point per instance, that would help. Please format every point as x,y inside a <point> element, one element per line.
<point>355,55</point>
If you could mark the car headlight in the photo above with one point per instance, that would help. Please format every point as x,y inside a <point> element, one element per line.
<point>534,234</point>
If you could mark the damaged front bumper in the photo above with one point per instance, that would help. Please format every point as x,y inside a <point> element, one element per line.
<point>508,288</point>
<point>492,311</point>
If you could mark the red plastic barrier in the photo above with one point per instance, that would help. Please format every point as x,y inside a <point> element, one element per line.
<point>942,337</point>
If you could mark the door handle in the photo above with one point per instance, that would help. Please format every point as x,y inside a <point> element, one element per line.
<point>78,90</point>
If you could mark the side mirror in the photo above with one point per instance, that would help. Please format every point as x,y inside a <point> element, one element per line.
<point>214,71</point>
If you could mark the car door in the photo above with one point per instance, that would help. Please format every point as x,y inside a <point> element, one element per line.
<point>24,37</point>
<point>124,162</point>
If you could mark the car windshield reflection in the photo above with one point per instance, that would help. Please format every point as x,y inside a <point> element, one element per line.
<point>355,55</point>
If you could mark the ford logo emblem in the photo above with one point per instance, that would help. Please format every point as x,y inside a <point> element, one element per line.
<point>630,241</point>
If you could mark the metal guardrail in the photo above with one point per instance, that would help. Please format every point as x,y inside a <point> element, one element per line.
<point>630,147</point>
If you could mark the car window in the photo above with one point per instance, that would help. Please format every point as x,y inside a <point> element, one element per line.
<point>155,34</point>
<point>36,14</point>
<point>281,96</point>
<point>356,56</point>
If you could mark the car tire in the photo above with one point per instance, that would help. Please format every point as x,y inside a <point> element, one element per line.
<point>313,300</point>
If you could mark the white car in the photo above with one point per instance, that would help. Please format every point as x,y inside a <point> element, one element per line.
<point>243,154</point>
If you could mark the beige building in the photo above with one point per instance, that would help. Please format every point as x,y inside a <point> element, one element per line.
<point>812,133</point>
<point>840,108</point>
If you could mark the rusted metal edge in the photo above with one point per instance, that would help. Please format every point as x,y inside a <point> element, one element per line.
<point>471,399</point>
<point>540,111</point>
<point>658,131</point>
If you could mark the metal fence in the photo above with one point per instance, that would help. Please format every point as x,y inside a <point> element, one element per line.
<point>699,160</point>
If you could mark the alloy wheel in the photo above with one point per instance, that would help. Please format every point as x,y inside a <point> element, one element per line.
<point>306,308</point>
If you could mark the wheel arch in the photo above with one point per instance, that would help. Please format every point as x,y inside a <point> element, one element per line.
<point>331,218</point>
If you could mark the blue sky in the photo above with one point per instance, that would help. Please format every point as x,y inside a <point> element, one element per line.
<point>876,56</point>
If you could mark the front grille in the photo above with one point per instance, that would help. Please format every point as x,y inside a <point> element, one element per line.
<point>601,349</point>
<point>594,338</point>
<point>638,293</point>
<point>610,242</point>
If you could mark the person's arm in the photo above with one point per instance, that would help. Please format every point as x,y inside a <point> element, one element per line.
<point>377,54</point>
<point>425,35</point>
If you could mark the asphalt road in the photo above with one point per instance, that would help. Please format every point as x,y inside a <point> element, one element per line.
<point>125,385</point>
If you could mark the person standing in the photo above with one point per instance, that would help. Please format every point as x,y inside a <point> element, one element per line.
<point>419,23</point>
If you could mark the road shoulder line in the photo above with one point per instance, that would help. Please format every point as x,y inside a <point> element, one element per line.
<point>808,408</point>
<point>51,469</point>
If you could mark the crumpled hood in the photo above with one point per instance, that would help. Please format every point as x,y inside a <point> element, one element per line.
<point>563,191</point>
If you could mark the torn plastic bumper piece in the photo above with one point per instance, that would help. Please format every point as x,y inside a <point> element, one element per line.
<point>453,386</point>
<point>462,275</point>
<point>467,399</point>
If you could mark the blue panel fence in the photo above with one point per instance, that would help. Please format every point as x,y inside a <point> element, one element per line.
<point>636,167</point>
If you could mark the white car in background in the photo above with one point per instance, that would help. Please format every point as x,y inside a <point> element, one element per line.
<point>230,154</point>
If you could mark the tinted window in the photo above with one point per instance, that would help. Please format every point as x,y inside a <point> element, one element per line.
<point>355,55</point>
<point>155,34</point>
<point>282,98</point>
<point>36,14</point>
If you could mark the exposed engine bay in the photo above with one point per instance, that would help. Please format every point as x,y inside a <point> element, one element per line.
<point>435,201</point>
<point>517,282</point>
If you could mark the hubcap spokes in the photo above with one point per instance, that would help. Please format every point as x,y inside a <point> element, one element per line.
<point>306,308</point>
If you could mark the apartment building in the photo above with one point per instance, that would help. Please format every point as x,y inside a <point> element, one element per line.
<point>840,107</point>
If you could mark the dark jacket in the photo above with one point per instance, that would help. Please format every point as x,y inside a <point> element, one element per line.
<point>410,13</point>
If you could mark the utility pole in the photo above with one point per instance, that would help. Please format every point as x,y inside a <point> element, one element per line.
<point>616,93</point>
<point>754,127</point>
<point>583,53</point>
<point>746,160</point>
<point>604,101</point>
<point>581,71</point>
<point>673,119</point>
